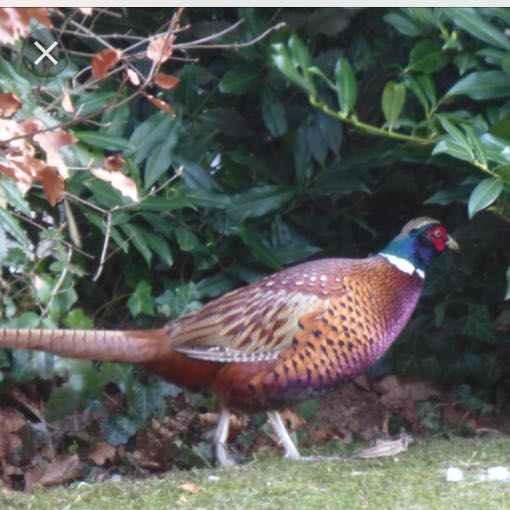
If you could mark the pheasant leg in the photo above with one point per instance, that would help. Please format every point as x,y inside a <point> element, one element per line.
<point>284,439</point>
<point>220,439</point>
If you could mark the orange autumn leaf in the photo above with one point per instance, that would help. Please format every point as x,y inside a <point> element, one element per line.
<point>159,103</point>
<point>166,81</point>
<point>103,61</point>
<point>119,181</point>
<point>160,48</point>
<point>53,184</point>
<point>9,104</point>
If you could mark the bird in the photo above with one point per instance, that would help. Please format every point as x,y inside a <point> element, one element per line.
<point>290,336</point>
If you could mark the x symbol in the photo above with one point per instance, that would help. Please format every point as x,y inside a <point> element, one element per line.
<point>46,53</point>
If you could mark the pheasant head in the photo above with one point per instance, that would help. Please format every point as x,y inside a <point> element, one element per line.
<point>419,242</point>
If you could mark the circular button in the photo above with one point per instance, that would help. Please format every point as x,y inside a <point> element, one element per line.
<point>43,53</point>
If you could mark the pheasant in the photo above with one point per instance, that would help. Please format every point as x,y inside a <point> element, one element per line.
<point>290,336</point>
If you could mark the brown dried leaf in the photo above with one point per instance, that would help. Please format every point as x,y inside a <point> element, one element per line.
<point>51,142</point>
<point>190,487</point>
<point>32,476</point>
<point>9,104</point>
<point>160,48</point>
<point>14,22</point>
<point>166,81</point>
<point>24,170</point>
<point>133,77</point>
<point>103,61</point>
<point>8,442</point>
<point>38,13</point>
<point>158,103</point>
<point>114,163</point>
<point>103,453</point>
<point>11,129</point>
<point>63,469</point>
<point>291,419</point>
<point>67,104</point>
<point>119,181</point>
<point>11,420</point>
<point>53,184</point>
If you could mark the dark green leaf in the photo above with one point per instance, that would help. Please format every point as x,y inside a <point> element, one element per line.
<point>258,201</point>
<point>451,146</point>
<point>141,301</point>
<point>413,84</point>
<point>504,172</point>
<point>331,129</point>
<point>392,102</point>
<point>427,56</point>
<point>273,113</point>
<point>187,240</point>
<point>301,56</point>
<point>505,63</point>
<point>159,246</point>
<point>160,157</point>
<point>282,60</point>
<point>119,429</point>
<point>258,248</point>
<point>316,142</point>
<point>12,227</point>
<point>346,85</point>
<point>135,236</point>
<point>464,62</point>
<point>103,140</point>
<point>475,25</point>
<point>456,134</point>
<point>213,286</point>
<point>482,85</point>
<point>13,195</point>
<point>403,24</point>
<point>76,319</point>
<point>239,80</point>
<point>484,195</point>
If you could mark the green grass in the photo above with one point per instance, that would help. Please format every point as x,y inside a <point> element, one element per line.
<point>413,480</point>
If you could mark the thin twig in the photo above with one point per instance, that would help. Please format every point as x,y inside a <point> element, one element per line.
<point>105,247</point>
<point>234,46</point>
<point>59,283</point>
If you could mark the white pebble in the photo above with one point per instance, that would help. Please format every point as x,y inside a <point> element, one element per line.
<point>498,474</point>
<point>213,478</point>
<point>454,474</point>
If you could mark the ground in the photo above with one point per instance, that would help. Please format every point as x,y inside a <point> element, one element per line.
<point>413,480</point>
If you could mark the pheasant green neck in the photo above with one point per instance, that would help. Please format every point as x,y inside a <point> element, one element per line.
<point>405,254</point>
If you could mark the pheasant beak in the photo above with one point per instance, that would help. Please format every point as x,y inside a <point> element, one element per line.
<point>452,243</point>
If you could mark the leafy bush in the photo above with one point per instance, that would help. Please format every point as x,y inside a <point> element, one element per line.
<point>183,172</point>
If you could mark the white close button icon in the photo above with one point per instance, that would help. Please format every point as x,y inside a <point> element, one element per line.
<point>45,53</point>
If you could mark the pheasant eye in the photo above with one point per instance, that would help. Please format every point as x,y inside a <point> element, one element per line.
<point>438,233</point>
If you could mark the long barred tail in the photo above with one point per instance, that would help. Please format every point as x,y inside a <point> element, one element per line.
<point>102,345</point>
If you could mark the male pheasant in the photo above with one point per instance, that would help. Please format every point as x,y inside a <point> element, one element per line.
<point>289,336</point>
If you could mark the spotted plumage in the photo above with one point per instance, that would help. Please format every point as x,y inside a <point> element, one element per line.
<point>289,336</point>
